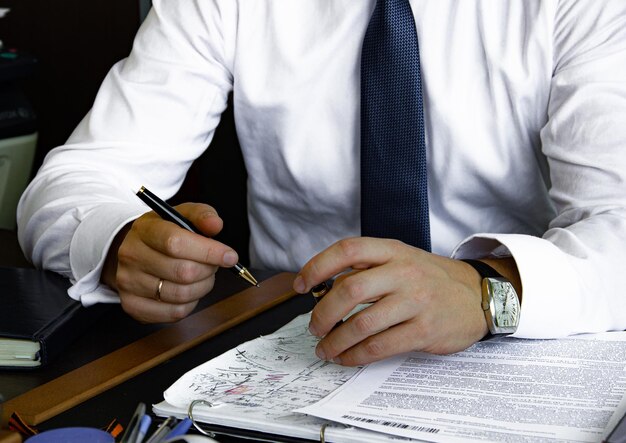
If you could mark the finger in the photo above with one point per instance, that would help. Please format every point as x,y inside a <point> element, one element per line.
<point>149,286</point>
<point>203,217</point>
<point>395,340</point>
<point>362,326</point>
<point>138,257</point>
<point>348,292</point>
<point>419,333</point>
<point>148,310</point>
<point>357,252</point>
<point>182,294</point>
<point>174,241</point>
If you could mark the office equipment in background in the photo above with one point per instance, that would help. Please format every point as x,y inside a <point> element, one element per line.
<point>18,132</point>
<point>38,318</point>
<point>498,390</point>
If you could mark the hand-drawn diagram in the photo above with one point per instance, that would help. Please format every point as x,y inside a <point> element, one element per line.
<point>263,379</point>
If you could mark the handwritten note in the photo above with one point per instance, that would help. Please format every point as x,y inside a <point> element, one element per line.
<point>264,379</point>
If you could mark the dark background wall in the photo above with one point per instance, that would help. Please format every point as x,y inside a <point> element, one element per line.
<point>76,42</point>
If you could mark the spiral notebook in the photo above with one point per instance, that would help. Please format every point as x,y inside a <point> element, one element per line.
<point>254,388</point>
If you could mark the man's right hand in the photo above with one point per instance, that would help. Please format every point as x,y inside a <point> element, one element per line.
<point>151,254</point>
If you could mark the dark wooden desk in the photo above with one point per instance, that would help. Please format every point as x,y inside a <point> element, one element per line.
<point>115,329</point>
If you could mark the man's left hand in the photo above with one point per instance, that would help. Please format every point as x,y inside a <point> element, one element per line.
<point>423,301</point>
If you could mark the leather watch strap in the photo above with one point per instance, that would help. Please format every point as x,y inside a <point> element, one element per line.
<point>482,268</point>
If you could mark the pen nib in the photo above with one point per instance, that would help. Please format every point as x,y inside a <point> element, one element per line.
<point>245,274</point>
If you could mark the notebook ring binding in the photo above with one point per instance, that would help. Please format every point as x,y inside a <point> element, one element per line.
<point>192,405</point>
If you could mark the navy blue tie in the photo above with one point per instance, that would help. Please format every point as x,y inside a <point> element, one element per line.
<point>394,188</point>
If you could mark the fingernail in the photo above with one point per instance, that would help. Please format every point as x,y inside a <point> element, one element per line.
<point>208,214</point>
<point>320,353</point>
<point>298,284</point>
<point>337,360</point>
<point>230,258</point>
<point>312,330</point>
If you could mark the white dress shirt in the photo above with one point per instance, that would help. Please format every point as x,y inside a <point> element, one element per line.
<point>525,106</point>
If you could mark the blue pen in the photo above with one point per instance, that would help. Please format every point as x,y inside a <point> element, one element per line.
<point>180,429</point>
<point>146,420</point>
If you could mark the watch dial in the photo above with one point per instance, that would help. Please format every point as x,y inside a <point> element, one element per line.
<point>506,304</point>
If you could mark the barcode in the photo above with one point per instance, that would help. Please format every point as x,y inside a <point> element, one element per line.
<point>392,424</point>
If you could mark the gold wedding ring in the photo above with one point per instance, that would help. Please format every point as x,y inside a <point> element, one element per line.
<point>157,295</point>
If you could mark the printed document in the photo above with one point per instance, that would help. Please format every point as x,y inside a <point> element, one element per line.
<point>498,390</point>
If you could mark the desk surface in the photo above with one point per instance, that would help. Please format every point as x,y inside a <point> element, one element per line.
<point>115,329</point>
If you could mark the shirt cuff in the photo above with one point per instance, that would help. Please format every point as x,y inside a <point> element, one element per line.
<point>89,247</point>
<point>549,306</point>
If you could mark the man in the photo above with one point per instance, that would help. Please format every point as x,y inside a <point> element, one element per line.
<point>524,105</point>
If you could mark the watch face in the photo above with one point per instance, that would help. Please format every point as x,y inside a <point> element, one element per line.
<point>506,304</point>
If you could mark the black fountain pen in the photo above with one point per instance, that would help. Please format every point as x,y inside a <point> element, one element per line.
<point>166,212</point>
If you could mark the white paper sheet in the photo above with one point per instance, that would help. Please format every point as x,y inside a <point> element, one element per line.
<point>498,390</point>
<point>257,385</point>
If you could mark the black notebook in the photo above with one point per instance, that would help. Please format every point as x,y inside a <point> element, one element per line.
<point>38,318</point>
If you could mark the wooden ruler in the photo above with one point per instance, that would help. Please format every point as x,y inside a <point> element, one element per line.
<point>68,390</point>
<point>10,437</point>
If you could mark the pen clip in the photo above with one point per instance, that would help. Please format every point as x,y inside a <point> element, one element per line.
<point>130,435</point>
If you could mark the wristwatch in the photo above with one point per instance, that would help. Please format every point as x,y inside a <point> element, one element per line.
<point>500,302</point>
